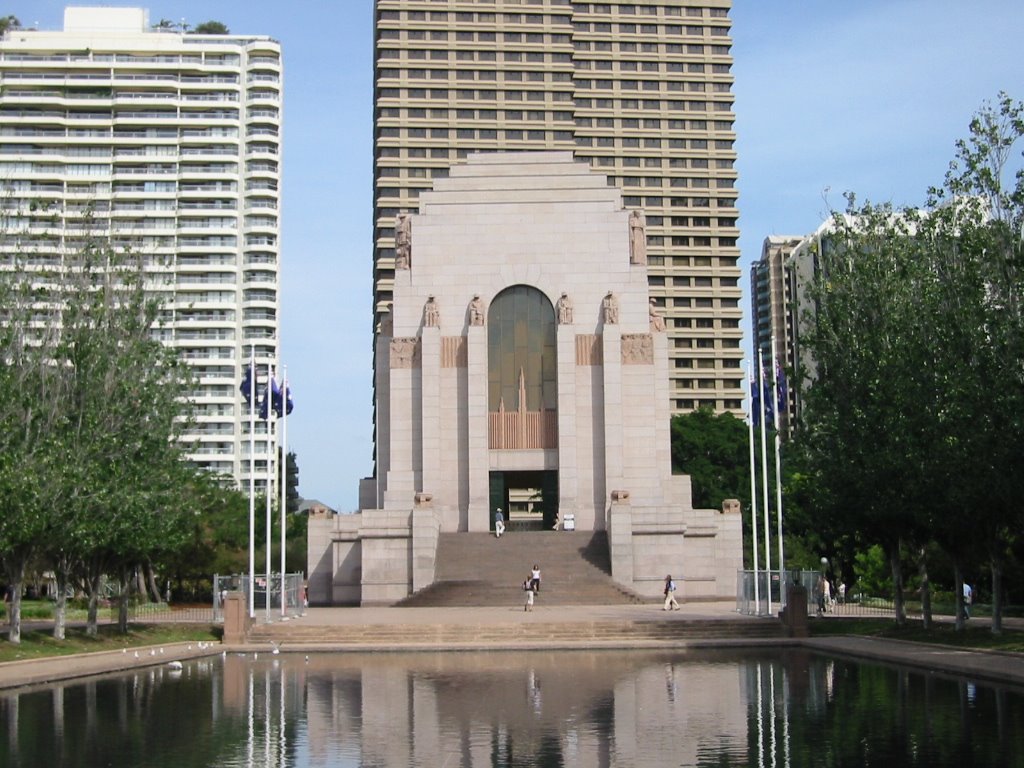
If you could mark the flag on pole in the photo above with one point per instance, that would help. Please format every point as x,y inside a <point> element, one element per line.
<point>246,385</point>
<point>275,399</point>
<point>780,382</point>
<point>755,402</point>
<point>282,400</point>
<point>757,393</point>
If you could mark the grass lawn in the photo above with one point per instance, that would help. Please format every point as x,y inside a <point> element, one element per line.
<point>976,635</point>
<point>39,644</point>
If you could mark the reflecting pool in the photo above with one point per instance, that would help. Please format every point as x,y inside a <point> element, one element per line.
<point>603,708</point>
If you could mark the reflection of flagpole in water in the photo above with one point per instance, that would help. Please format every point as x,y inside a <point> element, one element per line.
<point>760,721</point>
<point>771,711</point>
<point>785,721</point>
<point>250,744</point>
<point>266,715</point>
<point>280,724</point>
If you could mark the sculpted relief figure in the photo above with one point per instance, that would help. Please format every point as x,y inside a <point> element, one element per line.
<point>403,241</point>
<point>431,313</point>
<point>564,309</point>
<point>610,307</point>
<point>476,310</point>
<point>637,238</point>
<point>657,321</point>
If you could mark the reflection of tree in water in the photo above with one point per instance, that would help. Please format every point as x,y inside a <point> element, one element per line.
<point>825,712</point>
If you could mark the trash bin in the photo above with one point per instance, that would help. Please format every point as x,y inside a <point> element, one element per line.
<point>569,522</point>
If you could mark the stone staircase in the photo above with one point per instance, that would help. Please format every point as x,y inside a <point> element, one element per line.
<point>524,635</point>
<point>477,570</point>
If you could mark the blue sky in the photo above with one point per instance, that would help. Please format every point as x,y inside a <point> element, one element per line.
<point>867,96</point>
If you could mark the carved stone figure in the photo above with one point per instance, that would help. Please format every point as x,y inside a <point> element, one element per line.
<point>404,352</point>
<point>431,313</point>
<point>657,321</point>
<point>564,309</point>
<point>637,238</point>
<point>476,310</point>
<point>403,241</point>
<point>387,322</point>
<point>637,349</point>
<point>610,306</point>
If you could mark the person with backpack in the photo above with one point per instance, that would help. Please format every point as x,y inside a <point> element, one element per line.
<point>670,594</point>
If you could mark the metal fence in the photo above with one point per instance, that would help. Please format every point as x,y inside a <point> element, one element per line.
<point>771,589</point>
<point>774,584</point>
<point>156,613</point>
<point>288,591</point>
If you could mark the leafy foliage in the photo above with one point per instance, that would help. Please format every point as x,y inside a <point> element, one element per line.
<point>915,417</point>
<point>211,28</point>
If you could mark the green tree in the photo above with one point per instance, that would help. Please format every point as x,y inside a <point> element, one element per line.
<point>712,449</point>
<point>126,407</point>
<point>211,28</point>
<point>7,23</point>
<point>914,420</point>
<point>291,481</point>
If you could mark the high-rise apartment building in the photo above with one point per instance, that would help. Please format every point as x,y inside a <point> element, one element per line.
<point>641,90</point>
<point>169,144</point>
<point>773,313</point>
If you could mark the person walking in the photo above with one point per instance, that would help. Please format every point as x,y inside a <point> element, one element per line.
<point>499,523</point>
<point>968,599</point>
<point>670,594</point>
<point>528,588</point>
<point>535,578</point>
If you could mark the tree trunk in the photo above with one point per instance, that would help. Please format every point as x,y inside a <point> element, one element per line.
<point>122,600</point>
<point>154,590</point>
<point>997,597</point>
<point>897,584</point>
<point>92,587</point>
<point>958,595</point>
<point>926,590</point>
<point>17,582</point>
<point>60,608</point>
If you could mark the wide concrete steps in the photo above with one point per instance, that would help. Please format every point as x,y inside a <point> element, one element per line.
<point>669,632</point>
<point>477,569</point>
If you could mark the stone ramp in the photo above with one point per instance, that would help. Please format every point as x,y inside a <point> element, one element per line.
<point>478,569</point>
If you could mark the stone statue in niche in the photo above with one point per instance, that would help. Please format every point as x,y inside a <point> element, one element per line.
<point>657,321</point>
<point>431,313</point>
<point>637,238</point>
<point>564,309</point>
<point>610,307</point>
<point>476,310</point>
<point>403,241</point>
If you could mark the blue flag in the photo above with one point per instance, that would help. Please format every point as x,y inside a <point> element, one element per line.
<point>780,382</point>
<point>274,398</point>
<point>283,404</point>
<point>246,385</point>
<point>755,402</point>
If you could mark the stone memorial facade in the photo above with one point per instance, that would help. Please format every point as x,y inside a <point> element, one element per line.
<point>547,369</point>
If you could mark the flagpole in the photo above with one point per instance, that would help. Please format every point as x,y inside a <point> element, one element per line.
<point>252,481</point>
<point>284,473</point>
<point>271,449</point>
<point>778,463</point>
<point>753,491</point>
<point>764,481</point>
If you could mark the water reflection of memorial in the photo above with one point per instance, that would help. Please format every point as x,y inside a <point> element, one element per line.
<point>778,708</point>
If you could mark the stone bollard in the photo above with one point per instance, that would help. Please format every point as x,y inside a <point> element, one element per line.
<point>794,615</point>
<point>236,619</point>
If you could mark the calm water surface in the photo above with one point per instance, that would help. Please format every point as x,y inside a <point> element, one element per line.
<point>771,710</point>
